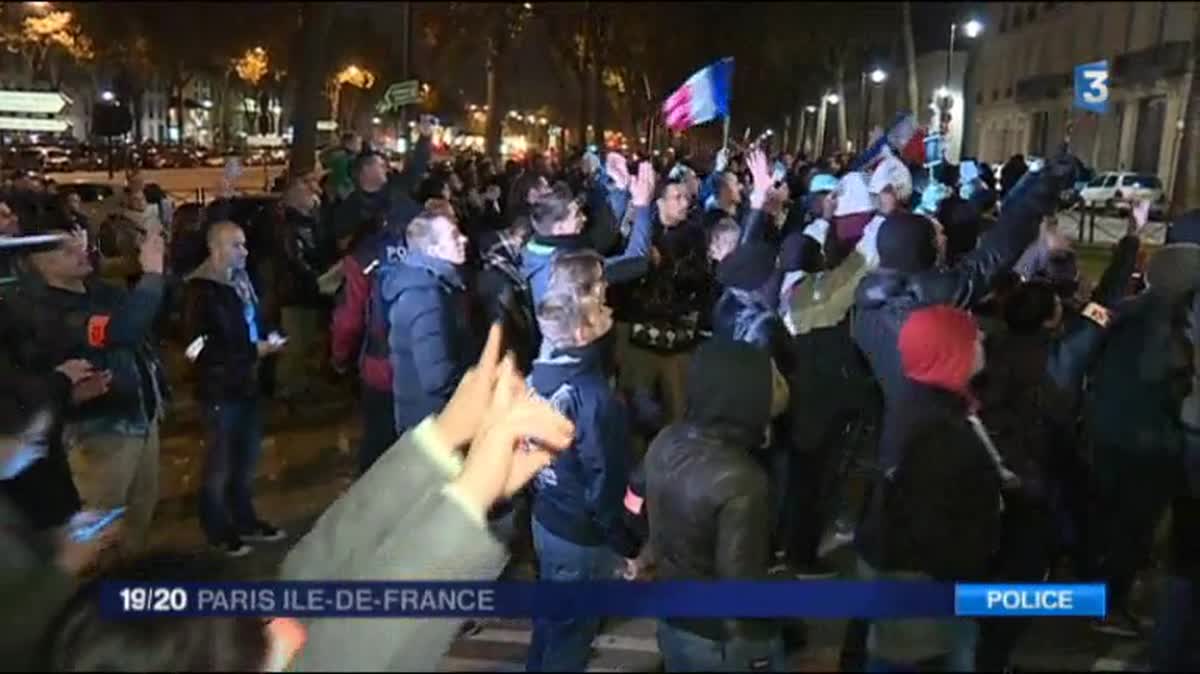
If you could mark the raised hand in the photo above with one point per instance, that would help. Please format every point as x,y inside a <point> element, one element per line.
<point>760,171</point>
<point>458,422</point>
<point>1139,217</point>
<point>151,254</point>
<point>641,191</point>
<point>618,170</point>
<point>519,437</point>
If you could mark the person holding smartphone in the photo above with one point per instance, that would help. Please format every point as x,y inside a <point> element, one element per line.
<point>224,325</point>
<point>38,571</point>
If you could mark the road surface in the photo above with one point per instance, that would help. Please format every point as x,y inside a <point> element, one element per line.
<point>178,181</point>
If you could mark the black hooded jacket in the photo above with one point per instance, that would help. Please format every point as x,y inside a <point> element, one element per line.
<point>707,496</point>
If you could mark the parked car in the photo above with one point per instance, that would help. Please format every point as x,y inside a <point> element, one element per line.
<point>1071,196</point>
<point>57,159</point>
<point>1114,191</point>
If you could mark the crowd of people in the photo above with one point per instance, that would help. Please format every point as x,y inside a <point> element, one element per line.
<point>664,369</point>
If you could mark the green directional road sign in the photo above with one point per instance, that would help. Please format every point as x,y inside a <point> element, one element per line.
<point>399,95</point>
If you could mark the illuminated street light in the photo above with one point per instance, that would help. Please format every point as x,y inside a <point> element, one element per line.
<point>810,108</point>
<point>529,5</point>
<point>878,76</point>
<point>543,121</point>
<point>833,99</point>
<point>107,96</point>
<point>531,119</point>
<point>376,120</point>
<point>972,28</point>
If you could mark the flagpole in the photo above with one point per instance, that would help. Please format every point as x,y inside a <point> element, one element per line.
<point>725,140</point>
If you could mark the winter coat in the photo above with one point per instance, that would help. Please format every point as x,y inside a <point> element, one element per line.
<point>1144,372</point>
<point>112,328</point>
<point>506,298</point>
<point>629,265</point>
<point>938,512</point>
<point>227,367</point>
<point>368,534</point>
<point>296,251</point>
<point>1031,418</point>
<point>744,316</point>
<point>431,338</point>
<point>393,203</point>
<point>706,494</point>
<point>664,306</point>
<point>885,297</point>
<point>359,332</point>
<point>580,496</point>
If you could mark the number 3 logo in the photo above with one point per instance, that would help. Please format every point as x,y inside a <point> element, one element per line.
<point>1097,86</point>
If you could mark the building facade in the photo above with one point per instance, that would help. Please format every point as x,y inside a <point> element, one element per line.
<point>1022,82</point>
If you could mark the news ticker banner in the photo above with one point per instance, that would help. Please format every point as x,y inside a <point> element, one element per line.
<point>725,599</point>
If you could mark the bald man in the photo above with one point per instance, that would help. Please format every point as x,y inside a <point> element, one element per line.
<point>228,339</point>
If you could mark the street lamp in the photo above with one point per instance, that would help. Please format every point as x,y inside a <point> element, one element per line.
<point>833,99</point>
<point>810,109</point>
<point>107,96</point>
<point>972,28</point>
<point>376,121</point>
<point>877,76</point>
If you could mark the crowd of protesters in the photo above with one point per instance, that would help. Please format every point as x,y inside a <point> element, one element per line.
<point>672,369</point>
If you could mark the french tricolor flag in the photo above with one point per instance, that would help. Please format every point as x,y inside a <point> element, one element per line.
<point>704,97</point>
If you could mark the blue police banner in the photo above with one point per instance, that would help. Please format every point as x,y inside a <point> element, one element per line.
<point>1091,87</point>
<point>742,599</point>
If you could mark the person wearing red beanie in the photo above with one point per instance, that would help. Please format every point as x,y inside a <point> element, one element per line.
<point>936,516</point>
<point>942,347</point>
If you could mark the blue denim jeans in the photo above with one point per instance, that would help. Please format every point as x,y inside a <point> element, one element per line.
<point>684,651</point>
<point>566,645</point>
<point>234,442</point>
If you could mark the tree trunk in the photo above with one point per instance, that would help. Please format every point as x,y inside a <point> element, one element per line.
<point>840,74</point>
<point>491,132</point>
<point>1185,188</point>
<point>317,17</point>
<point>822,123</point>
<point>581,73</point>
<point>910,57</point>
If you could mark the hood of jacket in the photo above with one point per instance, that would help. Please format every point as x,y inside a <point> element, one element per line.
<point>537,254</point>
<point>418,271</point>
<point>729,386</point>
<point>556,366</point>
<point>1174,269</point>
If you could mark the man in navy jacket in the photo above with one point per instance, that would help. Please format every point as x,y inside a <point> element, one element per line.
<point>578,528</point>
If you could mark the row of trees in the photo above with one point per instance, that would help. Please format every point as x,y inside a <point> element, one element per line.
<point>616,61</point>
